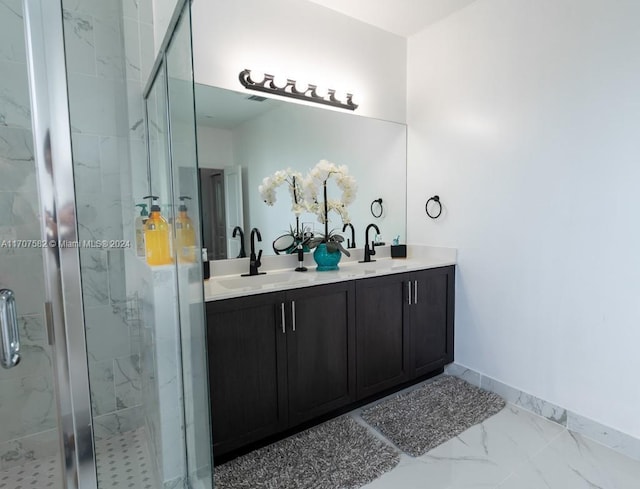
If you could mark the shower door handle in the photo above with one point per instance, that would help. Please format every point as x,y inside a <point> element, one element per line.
<point>9,334</point>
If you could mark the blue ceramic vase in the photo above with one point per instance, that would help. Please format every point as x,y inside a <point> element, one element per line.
<point>326,260</point>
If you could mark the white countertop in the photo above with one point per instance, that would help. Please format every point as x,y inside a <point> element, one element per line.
<point>231,284</point>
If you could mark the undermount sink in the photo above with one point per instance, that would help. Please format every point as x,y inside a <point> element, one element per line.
<point>386,266</point>
<point>256,280</point>
<point>378,266</point>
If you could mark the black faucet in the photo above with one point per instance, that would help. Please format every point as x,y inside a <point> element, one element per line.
<point>238,229</point>
<point>369,252</point>
<point>254,263</point>
<point>350,244</point>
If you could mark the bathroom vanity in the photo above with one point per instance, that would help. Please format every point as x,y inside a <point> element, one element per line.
<point>288,348</point>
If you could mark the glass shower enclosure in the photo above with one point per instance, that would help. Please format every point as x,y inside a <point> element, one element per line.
<point>103,369</point>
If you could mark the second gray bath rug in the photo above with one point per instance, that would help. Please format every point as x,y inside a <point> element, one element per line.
<point>427,417</point>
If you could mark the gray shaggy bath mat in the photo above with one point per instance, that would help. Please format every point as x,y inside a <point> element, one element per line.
<point>430,415</point>
<point>339,454</point>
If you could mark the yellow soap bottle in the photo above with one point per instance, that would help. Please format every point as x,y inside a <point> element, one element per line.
<point>156,236</point>
<point>185,234</point>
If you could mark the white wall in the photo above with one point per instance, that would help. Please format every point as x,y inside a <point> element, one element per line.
<point>215,147</point>
<point>300,40</point>
<point>524,117</point>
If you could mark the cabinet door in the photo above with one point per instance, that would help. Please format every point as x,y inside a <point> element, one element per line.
<point>382,333</point>
<point>432,320</point>
<point>246,370</point>
<point>320,350</point>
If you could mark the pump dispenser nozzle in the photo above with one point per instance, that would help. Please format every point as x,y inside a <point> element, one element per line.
<point>183,204</point>
<point>154,202</point>
<point>143,209</point>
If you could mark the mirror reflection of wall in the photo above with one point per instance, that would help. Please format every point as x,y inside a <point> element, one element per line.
<point>255,137</point>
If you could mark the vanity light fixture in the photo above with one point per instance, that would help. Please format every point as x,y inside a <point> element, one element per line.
<point>266,83</point>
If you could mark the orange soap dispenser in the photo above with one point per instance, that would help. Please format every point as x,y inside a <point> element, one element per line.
<point>156,236</point>
<point>185,234</point>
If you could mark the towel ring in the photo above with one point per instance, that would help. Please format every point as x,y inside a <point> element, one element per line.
<point>436,199</point>
<point>379,202</point>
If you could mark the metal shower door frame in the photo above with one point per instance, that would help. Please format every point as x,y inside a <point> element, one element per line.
<point>63,286</point>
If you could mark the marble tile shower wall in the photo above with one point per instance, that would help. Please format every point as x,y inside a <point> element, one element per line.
<point>139,49</point>
<point>105,89</point>
<point>98,97</point>
<point>27,406</point>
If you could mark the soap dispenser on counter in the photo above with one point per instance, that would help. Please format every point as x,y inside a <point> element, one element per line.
<point>156,236</point>
<point>185,234</point>
<point>141,220</point>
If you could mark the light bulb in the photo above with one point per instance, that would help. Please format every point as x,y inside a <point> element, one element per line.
<point>302,86</point>
<point>321,91</point>
<point>280,81</point>
<point>256,76</point>
<point>340,96</point>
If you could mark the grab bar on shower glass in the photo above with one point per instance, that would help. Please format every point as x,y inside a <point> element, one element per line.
<point>9,334</point>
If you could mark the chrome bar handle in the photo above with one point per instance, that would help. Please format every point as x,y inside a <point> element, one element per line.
<point>293,314</point>
<point>10,335</point>
<point>415,292</point>
<point>283,317</point>
<point>409,286</point>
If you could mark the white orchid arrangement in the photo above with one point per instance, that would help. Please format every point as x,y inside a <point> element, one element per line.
<point>317,180</point>
<point>294,181</point>
<point>305,196</point>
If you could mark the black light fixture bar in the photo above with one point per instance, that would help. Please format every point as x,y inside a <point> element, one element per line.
<point>289,90</point>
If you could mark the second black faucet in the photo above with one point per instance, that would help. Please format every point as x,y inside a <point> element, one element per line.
<point>237,230</point>
<point>254,262</point>
<point>350,244</point>
<point>369,252</point>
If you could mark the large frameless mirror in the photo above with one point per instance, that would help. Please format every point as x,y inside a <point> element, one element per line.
<point>243,138</point>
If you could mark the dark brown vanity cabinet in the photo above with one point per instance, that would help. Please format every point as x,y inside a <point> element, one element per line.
<point>382,332</point>
<point>247,370</point>
<point>404,327</point>
<point>431,310</point>
<point>279,359</point>
<point>320,350</point>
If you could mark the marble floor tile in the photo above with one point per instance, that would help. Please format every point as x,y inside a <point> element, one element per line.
<point>575,462</point>
<point>515,449</point>
<point>482,456</point>
<point>511,437</point>
<point>410,473</point>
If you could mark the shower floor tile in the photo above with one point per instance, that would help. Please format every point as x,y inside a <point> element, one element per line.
<point>122,461</point>
<point>39,474</point>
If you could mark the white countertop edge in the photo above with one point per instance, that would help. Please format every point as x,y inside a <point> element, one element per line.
<point>419,257</point>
